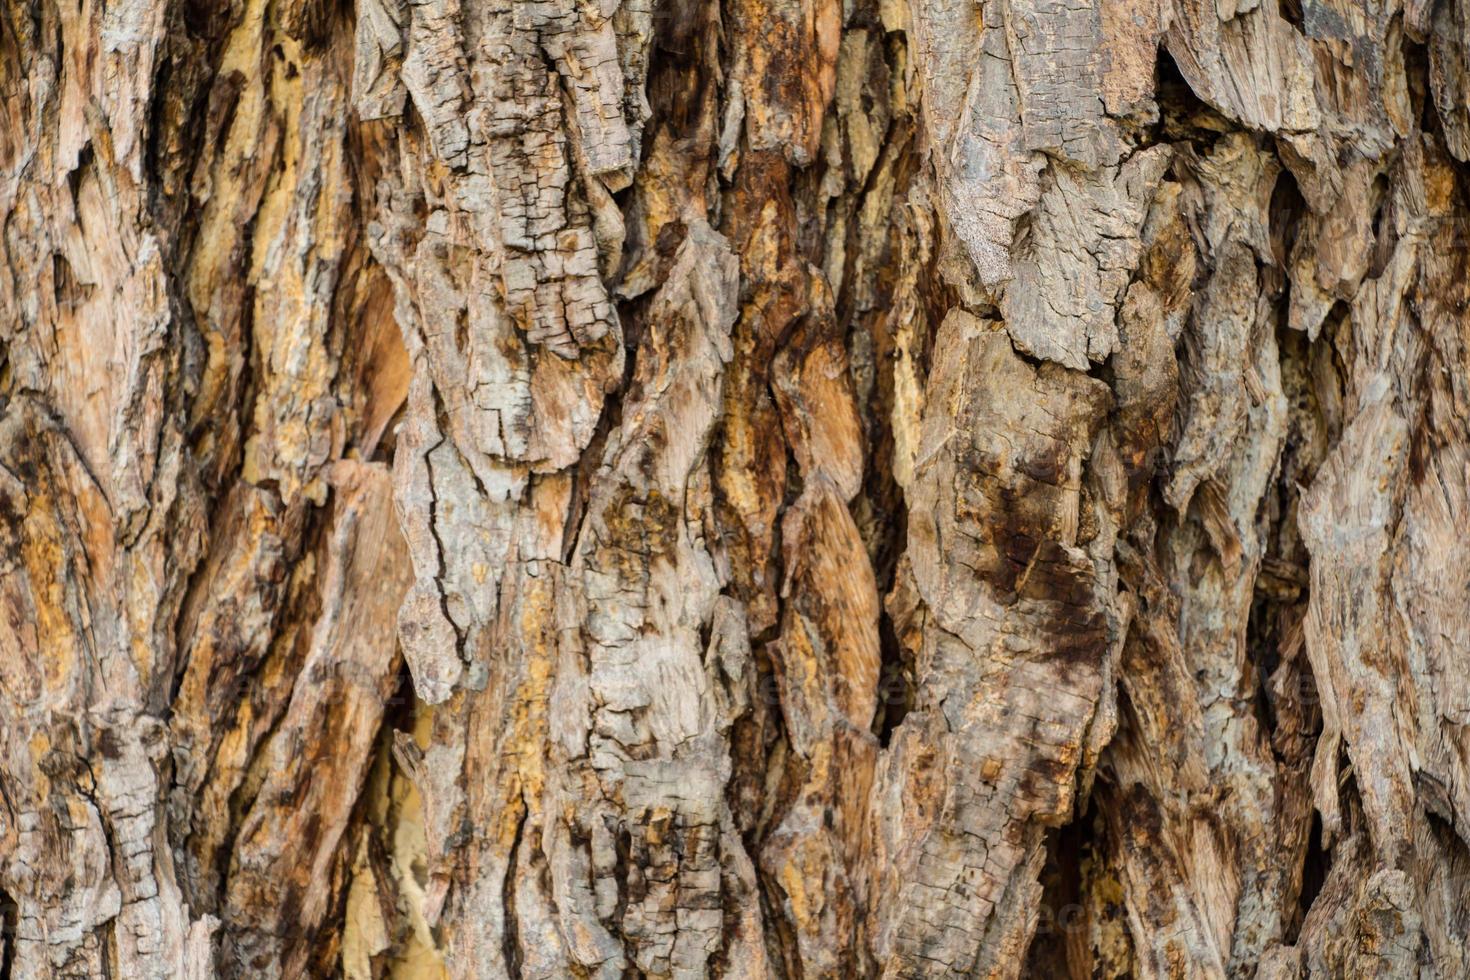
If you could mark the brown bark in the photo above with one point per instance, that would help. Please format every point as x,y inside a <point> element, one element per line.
<point>738,488</point>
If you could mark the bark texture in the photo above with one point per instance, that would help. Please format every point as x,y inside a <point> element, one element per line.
<point>734,488</point>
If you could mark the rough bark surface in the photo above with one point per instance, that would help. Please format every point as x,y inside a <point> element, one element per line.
<point>734,488</point>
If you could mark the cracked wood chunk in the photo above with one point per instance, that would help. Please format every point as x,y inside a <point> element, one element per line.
<point>635,711</point>
<point>1012,667</point>
<point>500,292</point>
<point>1077,257</point>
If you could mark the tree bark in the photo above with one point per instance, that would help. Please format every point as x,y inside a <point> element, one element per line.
<point>734,488</point>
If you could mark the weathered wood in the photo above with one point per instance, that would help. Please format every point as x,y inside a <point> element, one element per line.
<point>740,488</point>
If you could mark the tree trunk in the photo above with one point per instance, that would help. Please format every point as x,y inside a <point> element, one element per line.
<point>735,488</point>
